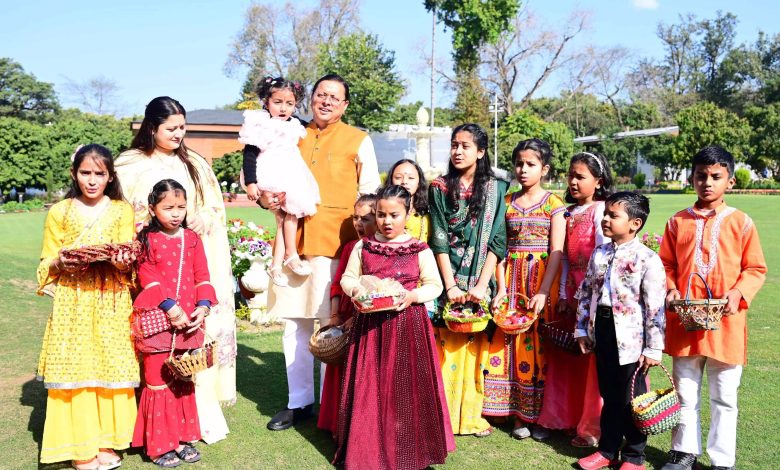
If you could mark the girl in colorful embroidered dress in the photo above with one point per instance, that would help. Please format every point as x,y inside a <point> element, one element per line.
<point>174,276</point>
<point>393,413</point>
<point>468,238</point>
<point>408,174</point>
<point>272,162</point>
<point>342,311</point>
<point>87,362</point>
<point>571,396</point>
<point>514,384</point>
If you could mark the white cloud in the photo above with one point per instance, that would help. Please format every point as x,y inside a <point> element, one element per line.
<point>645,4</point>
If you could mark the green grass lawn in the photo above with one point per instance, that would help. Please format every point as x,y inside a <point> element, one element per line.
<point>262,386</point>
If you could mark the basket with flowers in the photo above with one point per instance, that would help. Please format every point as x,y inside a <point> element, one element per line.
<point>375,294</point>
<point>468,317</point>
<point>515,319</point>
<point>248,242</point>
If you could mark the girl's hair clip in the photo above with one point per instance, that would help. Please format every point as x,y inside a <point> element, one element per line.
<point>73,155</point>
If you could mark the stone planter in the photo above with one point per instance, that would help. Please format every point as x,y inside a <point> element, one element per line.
<point>254,288</point>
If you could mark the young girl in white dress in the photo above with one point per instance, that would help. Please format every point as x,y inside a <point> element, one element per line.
<point>272,162</point>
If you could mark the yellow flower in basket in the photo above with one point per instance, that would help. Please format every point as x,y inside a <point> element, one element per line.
<point>468,317</point>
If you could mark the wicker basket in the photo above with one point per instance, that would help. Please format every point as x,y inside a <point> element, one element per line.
<point>190,362</point>
<point>656,411</point>
<point>699,314</point>
<point>517,320</point>
<point>560,337</point>
<point>329,350</point>
<point>459,320</point>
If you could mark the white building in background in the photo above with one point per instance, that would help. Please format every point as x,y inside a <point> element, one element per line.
<point>398,142</point>
<point>642,166</point>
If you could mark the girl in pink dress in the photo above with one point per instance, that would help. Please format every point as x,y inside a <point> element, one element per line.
<point>572,399</point>
<point>273,163</point>
<point>175,278</point>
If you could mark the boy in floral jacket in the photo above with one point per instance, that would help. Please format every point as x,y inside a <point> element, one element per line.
<point>620,317</point>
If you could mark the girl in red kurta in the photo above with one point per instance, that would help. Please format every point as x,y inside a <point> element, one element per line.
<point>341,312</point>
<point>175,278</point>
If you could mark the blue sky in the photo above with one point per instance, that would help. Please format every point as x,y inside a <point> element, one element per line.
<point>179,47</point>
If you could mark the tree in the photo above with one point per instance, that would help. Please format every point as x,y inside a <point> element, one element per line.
<point>524,125</point>
<point>527,54</point>
<point>228,168</point>
<point>706,124</point>
<point>472,101</point>
<point>375,86</point>
<point>97,95</point>
<point>74,128</point>
<point>473,24</point>
<point>286,40</point>
<point>717,41</point>
<point>765,121</point>
<point>23,150</point>
<point>23,96</point>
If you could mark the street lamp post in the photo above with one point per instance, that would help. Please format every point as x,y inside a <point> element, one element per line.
<point>495,109</point>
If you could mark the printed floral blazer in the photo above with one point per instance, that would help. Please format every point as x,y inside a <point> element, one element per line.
<point>637,288</point>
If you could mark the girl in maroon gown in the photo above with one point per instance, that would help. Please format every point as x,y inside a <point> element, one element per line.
<point>174,275</point>
<point>393,413</point>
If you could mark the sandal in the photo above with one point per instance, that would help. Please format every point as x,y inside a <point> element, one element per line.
<point>484,433</point>
<point>91,464</point>
<point>189,454</point>
<point>277,276</point>
<point>167,460</point>
<point>108,459</point>
<point>297,266</point>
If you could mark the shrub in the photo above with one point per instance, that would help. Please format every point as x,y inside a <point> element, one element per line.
<point>639,180</point>
<point>742,175</point>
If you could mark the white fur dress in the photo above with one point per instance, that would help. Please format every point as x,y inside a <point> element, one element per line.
<point>280,166</point>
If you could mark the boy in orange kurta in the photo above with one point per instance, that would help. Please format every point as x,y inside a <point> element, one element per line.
<point>720,243</point>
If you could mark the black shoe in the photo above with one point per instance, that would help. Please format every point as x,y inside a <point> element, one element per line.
<point>680,461</point>
<point>287,417</point>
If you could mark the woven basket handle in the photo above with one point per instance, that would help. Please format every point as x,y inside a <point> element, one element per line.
<point>206,337</point>
<point>690,278</point>
<point>636,372</point>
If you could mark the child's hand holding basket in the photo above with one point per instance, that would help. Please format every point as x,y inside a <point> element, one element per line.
<point>466,317</point>
<point>699,314</point>
<point>517,319</point>
<point>375,295</point>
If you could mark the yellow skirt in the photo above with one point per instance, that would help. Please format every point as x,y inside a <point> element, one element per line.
<point>462,357</point>
<point>81,421</point>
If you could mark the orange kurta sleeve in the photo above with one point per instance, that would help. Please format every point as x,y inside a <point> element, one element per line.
<point>753,272</point>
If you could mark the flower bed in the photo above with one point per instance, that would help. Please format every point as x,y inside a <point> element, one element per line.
<point>248,242</point>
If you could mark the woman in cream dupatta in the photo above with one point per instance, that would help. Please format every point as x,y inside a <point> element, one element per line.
<point>158,152</point>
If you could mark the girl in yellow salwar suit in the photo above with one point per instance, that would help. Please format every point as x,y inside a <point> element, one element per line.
<point>87,362</point>
<point>158,152</point>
